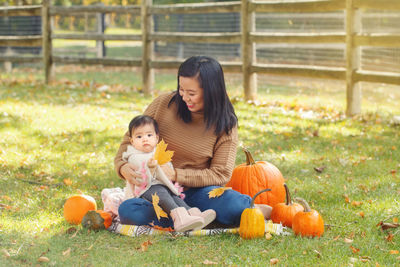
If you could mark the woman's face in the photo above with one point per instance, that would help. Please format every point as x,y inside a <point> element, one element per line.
<point>191,93</point>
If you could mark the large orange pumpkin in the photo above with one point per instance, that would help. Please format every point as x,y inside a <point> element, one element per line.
<point>284,212</point>
<point>251,177</point>
<point>77,206</point>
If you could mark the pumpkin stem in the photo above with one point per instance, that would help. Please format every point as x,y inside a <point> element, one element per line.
<point>249,157</point>
<point>303,203</point>
<point>288,198</point>
<point>256,195</point>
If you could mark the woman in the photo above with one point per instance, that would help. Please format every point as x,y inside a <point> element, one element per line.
<point>199,124</point>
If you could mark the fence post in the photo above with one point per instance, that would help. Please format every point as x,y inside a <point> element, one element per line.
<point>147,48</point>
<point>101,27</point>
<point>353,88</point>
<point>248,52</point>
<point>8,64</point>
<point>46,41</point>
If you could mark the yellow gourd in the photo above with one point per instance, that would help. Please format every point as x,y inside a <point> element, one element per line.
<point>252,222</point>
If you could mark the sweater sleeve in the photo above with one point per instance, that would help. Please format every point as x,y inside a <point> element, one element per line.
<point>221,166</point>
<point>118,160</point>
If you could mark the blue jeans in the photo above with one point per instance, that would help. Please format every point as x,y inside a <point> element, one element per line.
<point>229,207</point>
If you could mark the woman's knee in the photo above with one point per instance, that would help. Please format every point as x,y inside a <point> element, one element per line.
<point>138,211</point>
<point>230,211</point>
<point>229,206</point>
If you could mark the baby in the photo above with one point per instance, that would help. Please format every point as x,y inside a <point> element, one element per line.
<point>144,135</point>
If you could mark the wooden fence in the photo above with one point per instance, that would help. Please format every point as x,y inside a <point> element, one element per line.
<point>248,38</point>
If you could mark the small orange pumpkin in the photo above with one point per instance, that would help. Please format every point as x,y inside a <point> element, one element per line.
<point>284,212</point>
<point>308,222</point>
<point>252,222</point>
<point>77,206</point>
<point>97,219</point>
<point>250,177</point>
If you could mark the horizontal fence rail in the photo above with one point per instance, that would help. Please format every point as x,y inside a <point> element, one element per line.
<point>33,40</point>
<point>99,37</point>
<point>248,37</point>
<point>222,7</point>
<point>21,11</point>
<point>296,6</point>
<point>73,10</point>
<point>196,37</point>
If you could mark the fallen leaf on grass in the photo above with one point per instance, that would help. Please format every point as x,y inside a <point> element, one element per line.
<point>395,220</point>
<point>273,261</point>
<point>145,245</point>
<point>361,213</point>
<point>318,253</point>
<point>351,235</point>
<point>217,192</point>
<point>355,250</point>
<point>356,203</point>
<point>4,206</point>
<point>67,252</point>
<point>365,258</point>
<point>5,197</point>
<point>67,181</point>
<point>348,240</point>
<point>20,175</point>
<point>319,169</point>
<point>208,262</point>
<point>43,259</point>
<point>157,209</point>
<point>392,252</point>
<point>386,226</point>
<point>389,237</point>
<point>5,253</point>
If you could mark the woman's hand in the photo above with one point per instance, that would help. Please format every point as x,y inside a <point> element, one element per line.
<point>169,172</point>
<point>128,171</point>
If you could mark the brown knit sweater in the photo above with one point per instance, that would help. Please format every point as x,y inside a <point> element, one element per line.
<point>200,157</point>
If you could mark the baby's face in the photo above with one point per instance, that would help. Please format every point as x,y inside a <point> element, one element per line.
<point>144,138</point>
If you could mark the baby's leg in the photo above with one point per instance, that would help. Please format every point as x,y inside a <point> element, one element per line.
<point>183,221</point>
<point>180,202</point>
<point>167,202</point>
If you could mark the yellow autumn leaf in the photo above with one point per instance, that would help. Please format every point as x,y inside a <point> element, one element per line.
<point>158,210</point>
<point>67,181</point>
<point>217,192</point>
<point>162,155</point>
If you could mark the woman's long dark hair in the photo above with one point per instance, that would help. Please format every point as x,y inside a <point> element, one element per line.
<point>218,109</point>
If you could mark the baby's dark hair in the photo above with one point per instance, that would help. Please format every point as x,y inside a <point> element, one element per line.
<point>140,121</point>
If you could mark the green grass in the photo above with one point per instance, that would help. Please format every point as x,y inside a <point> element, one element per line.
<point>71,130</point>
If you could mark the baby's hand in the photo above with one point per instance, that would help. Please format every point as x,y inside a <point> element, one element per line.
<point>152,164</point>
